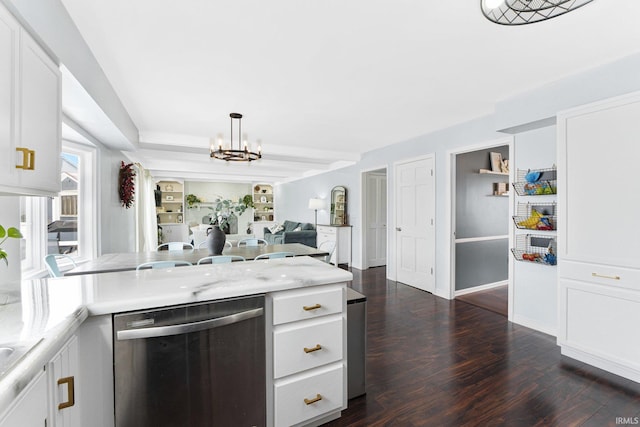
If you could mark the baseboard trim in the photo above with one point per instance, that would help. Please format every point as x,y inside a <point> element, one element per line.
<point>481,288</point>
<point>599,362</point>
<point>534,324</point>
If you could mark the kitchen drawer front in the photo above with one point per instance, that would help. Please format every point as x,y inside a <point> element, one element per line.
<point>326,230</point>
<point>601,321</point>
<point>305,345</point>
<point>302,304</point>
<point>600,274</point>
<point>324,385</point>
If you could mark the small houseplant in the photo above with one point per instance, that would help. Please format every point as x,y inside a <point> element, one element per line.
<point>13,233</point>
<point>192,199</point>
<point>223,208</point>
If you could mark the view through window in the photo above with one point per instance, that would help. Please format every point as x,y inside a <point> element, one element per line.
<point>62,211</point>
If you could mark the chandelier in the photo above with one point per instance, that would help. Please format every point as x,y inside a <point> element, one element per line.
<point>519,12</point>
<point>231,154</point>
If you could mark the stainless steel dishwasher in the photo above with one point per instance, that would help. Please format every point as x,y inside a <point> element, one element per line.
<point>197,365</point>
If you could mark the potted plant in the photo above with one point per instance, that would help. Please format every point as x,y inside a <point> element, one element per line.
<point>13,233</point>
<point>223,208</point>
<point>192,199</point>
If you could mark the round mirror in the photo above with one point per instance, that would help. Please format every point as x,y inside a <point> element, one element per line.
<point>339,206</point>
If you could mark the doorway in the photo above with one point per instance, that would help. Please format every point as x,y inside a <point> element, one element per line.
<point>480,224</point>
<point>374,217</point>
<point>415,222</point>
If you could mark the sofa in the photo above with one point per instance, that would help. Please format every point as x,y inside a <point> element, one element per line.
<point>292,232</point>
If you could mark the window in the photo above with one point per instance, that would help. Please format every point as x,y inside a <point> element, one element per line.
<point>62,211</point>
<point>62,224</point>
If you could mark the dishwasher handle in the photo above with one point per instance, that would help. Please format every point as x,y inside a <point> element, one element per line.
<point>185,328</point>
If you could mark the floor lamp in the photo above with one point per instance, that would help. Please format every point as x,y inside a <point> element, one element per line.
<point>316,204</point>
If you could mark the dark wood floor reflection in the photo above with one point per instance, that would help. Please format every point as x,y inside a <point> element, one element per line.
<point>434,362</point>
<point>494,299</point>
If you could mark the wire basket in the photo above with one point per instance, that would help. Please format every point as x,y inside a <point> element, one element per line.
<point>536,216</point>
<point>541,182</point>
<point>538,249</point>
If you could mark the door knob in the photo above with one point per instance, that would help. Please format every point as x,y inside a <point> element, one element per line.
<point>398,228</point>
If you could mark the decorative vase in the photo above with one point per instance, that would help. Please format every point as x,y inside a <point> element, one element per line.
<point>215,240</point>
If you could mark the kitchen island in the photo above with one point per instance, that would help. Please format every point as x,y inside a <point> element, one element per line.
<point>48,312</point>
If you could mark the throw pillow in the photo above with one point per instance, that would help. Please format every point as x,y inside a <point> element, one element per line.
<point>275,228</point>
<point>297,229</point>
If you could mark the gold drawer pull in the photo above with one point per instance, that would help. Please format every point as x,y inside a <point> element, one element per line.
<point>28,159</point>
<point>311,350</point>
<point>314,400</point>
<point>604,276</point>
<point>70,393</point>
<point>312,307</point>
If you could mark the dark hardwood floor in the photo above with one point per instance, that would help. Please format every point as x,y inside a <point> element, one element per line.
<point>434,362</point>
<point>494,299</point>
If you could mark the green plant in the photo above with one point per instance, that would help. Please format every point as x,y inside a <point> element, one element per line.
<point>192,199</point>
<point>223,208</point>
<point>13,233</point>
<point>248,200</point>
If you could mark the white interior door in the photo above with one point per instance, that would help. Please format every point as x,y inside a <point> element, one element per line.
<point>376,215</point>
<point>415,218</point>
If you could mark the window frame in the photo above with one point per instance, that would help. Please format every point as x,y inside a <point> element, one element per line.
<point>35,209</point>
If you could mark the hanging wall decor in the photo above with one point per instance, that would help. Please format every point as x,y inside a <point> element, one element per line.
<point>127,186</point>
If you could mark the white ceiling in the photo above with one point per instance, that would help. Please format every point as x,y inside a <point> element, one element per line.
<point>321,82</point>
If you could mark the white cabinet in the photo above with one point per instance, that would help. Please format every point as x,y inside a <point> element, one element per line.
<point>309,355</point>
<point>63,373</point>
<point>30,114</point>
<point>341,236</point>
<point>29,409</point>
<point>50,399</point>
<point>599,257</point>
<point>9,44</point>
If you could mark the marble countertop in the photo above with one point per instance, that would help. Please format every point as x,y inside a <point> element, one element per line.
<point>37,319</point>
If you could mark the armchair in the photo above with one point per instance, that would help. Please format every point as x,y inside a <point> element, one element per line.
<point>293,232</point>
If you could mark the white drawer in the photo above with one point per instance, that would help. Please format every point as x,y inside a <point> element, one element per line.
<point>324,385</point>
<point>302,304</point>
<point>326,230</point>
<point>600,274</point>
<point>305,345</point>
<point>601,321</point>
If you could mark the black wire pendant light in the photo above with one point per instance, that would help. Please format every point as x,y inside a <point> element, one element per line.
<point>520,12</point>
<point>231,154</point>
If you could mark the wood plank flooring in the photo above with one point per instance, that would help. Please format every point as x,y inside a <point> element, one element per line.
<point>494,299</point>
<point>434,362</point>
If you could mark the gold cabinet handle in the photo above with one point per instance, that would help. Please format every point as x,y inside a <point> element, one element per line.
<point>604,276</point>
<point>311,350</point>
<point>311,307</point>
<point>314,400</point>
<point>28,159</point>
<point>70,393</point>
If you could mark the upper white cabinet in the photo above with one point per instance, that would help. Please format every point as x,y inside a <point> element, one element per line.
<point>598,153</point>
<point>30,114</point>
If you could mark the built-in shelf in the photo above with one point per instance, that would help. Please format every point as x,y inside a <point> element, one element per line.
<point>490,172</point>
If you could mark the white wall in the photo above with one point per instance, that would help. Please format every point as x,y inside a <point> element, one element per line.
<point>116,225</point>
<point>535,285</point>
<point>292,198</point>
<point>530,116</point>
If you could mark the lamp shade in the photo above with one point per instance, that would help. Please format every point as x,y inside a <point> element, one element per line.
<point>316,204</point>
